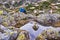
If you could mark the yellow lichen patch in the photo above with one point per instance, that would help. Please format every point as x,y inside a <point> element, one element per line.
<point>5,24</point>
<point>40,37</point>
<point>11,33</point>
<point>21,37</point>
<point>49,30</point>
<point>4,16</point>
<point>1,12</point>
<point>11,18</point>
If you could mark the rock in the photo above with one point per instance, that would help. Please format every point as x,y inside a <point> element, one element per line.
<point>5,13</point>
<point>21,23</point>
<point>1,20</point>
<point>35,27</point>
<point>7,5</point>
<point>48,19</point>
<point>40,37</point>
<point>49,34</point>
<point>7,34</point>
<point>24,35</point>
<point>56,24</point>
<point>13,35</point>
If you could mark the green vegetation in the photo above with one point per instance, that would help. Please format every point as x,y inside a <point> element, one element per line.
<point>58,5</point>
<point>44,5</point>
<point>1,4</point>
<point>52,1</point>
<point>58,10</point>
<point>16,4</point>
<point>28,7</point>
<point>20,3</point>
